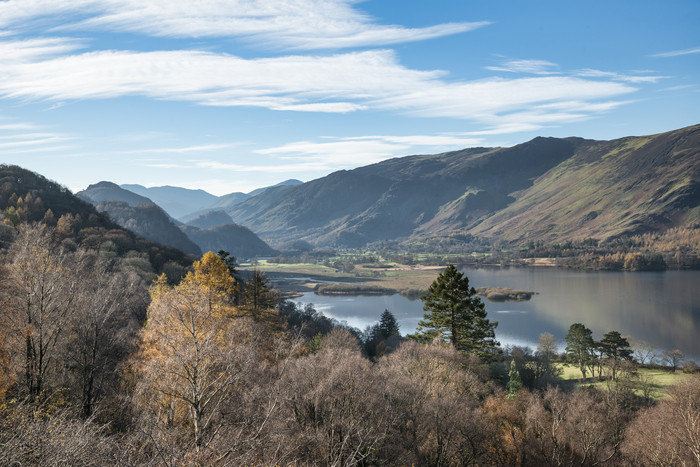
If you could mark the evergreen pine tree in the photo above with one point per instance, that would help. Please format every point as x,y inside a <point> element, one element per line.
<point>258,295</point>
<point>616,348</point>
<point>514,380</point>
<point>579,346</point>
<point>388,326</point>
<point>457,315</point>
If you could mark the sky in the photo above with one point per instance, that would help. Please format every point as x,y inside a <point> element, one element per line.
<point>233,95</point>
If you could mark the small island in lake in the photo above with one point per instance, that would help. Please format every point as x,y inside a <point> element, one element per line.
<point>352,289</point>
<point>504,294</point>
<point>492,294</point>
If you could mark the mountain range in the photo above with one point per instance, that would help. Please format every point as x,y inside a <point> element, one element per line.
<point>545,190</point>
<point>212,231</point>
<point>185,204</point>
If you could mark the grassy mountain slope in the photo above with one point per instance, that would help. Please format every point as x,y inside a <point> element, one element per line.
<point>547,189</point>
<point>290,182</point>
<point>395,198</point>
<point>608,189</point>
<point>228,201</point>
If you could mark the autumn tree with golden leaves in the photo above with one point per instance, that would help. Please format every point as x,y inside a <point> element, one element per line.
<point>188,364</point>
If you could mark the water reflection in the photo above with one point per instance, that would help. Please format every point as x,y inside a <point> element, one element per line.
<point>662,309</point>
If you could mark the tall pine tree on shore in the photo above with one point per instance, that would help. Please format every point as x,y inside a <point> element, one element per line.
<point>457,315</point>
<point>579,347</point>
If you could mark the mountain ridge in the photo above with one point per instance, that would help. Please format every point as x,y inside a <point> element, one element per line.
<point>138,214</point>
<point>496,193</point>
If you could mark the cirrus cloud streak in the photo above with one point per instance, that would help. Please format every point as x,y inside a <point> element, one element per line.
<point>340,83</point>
<point>296,24</point>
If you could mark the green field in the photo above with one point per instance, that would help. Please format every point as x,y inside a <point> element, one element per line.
<point>385,274</point>
<point>657,379</point>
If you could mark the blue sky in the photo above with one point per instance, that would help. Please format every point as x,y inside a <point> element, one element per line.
<point>232,95</point>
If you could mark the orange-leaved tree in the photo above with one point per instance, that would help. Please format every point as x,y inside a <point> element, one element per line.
<point>188,365</point>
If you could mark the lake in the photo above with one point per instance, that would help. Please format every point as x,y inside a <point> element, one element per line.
<point>661,308</point>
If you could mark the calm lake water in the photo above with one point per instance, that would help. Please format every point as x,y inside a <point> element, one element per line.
<point>661,308</point>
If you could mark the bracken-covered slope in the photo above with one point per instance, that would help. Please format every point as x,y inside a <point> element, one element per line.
<point>547,189</point>
<point>399,197</point>
<point>608,189</point>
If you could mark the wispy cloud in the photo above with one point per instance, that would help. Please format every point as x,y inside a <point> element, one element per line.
<point>638,78</point>
<point>328,154</point>
<point>23,138</point>
<point>336,83</point>
<point>676,53</point>
<point>16,127</point>
<point>679,87</point>
<point>536,67</point>
<point>299,24</point>
<point>490,100</point>
<point>214,79</point>
<point>19,51</point>
<point>341,153</point>
<point>178,150</point>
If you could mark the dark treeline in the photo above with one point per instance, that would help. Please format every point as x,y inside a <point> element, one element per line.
<point>676,248</point>
<point>102,367</point>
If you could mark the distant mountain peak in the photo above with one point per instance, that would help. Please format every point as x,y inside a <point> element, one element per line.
<point>290,182</point>
<point>176,201</point>
<point>108,191</point>
<point>211,219</point>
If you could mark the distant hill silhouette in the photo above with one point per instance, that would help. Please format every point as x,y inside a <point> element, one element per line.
<point>240,241</point>
<point>210,219</point>
<point>176,201</point>
<point>138,214</point>
<point>228,201</point>
<point>211,231</point>
<point>108,191</point>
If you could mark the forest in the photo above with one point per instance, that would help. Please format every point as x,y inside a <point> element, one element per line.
<point>118,351</point>
<point>100,366</point>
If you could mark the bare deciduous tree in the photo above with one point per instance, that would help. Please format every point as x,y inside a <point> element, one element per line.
<point>668,433</point>
<point>42,435</point>
<point>643,352</point>
<point>102,326</point>
<point>673,358</point>
<point>44,291</point>
<point>335,414</point>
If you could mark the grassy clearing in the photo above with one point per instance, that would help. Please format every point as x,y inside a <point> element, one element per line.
<point>658,379</point>
<point>569,372</point>
<point>310,269</point>
<point>394,276</point>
